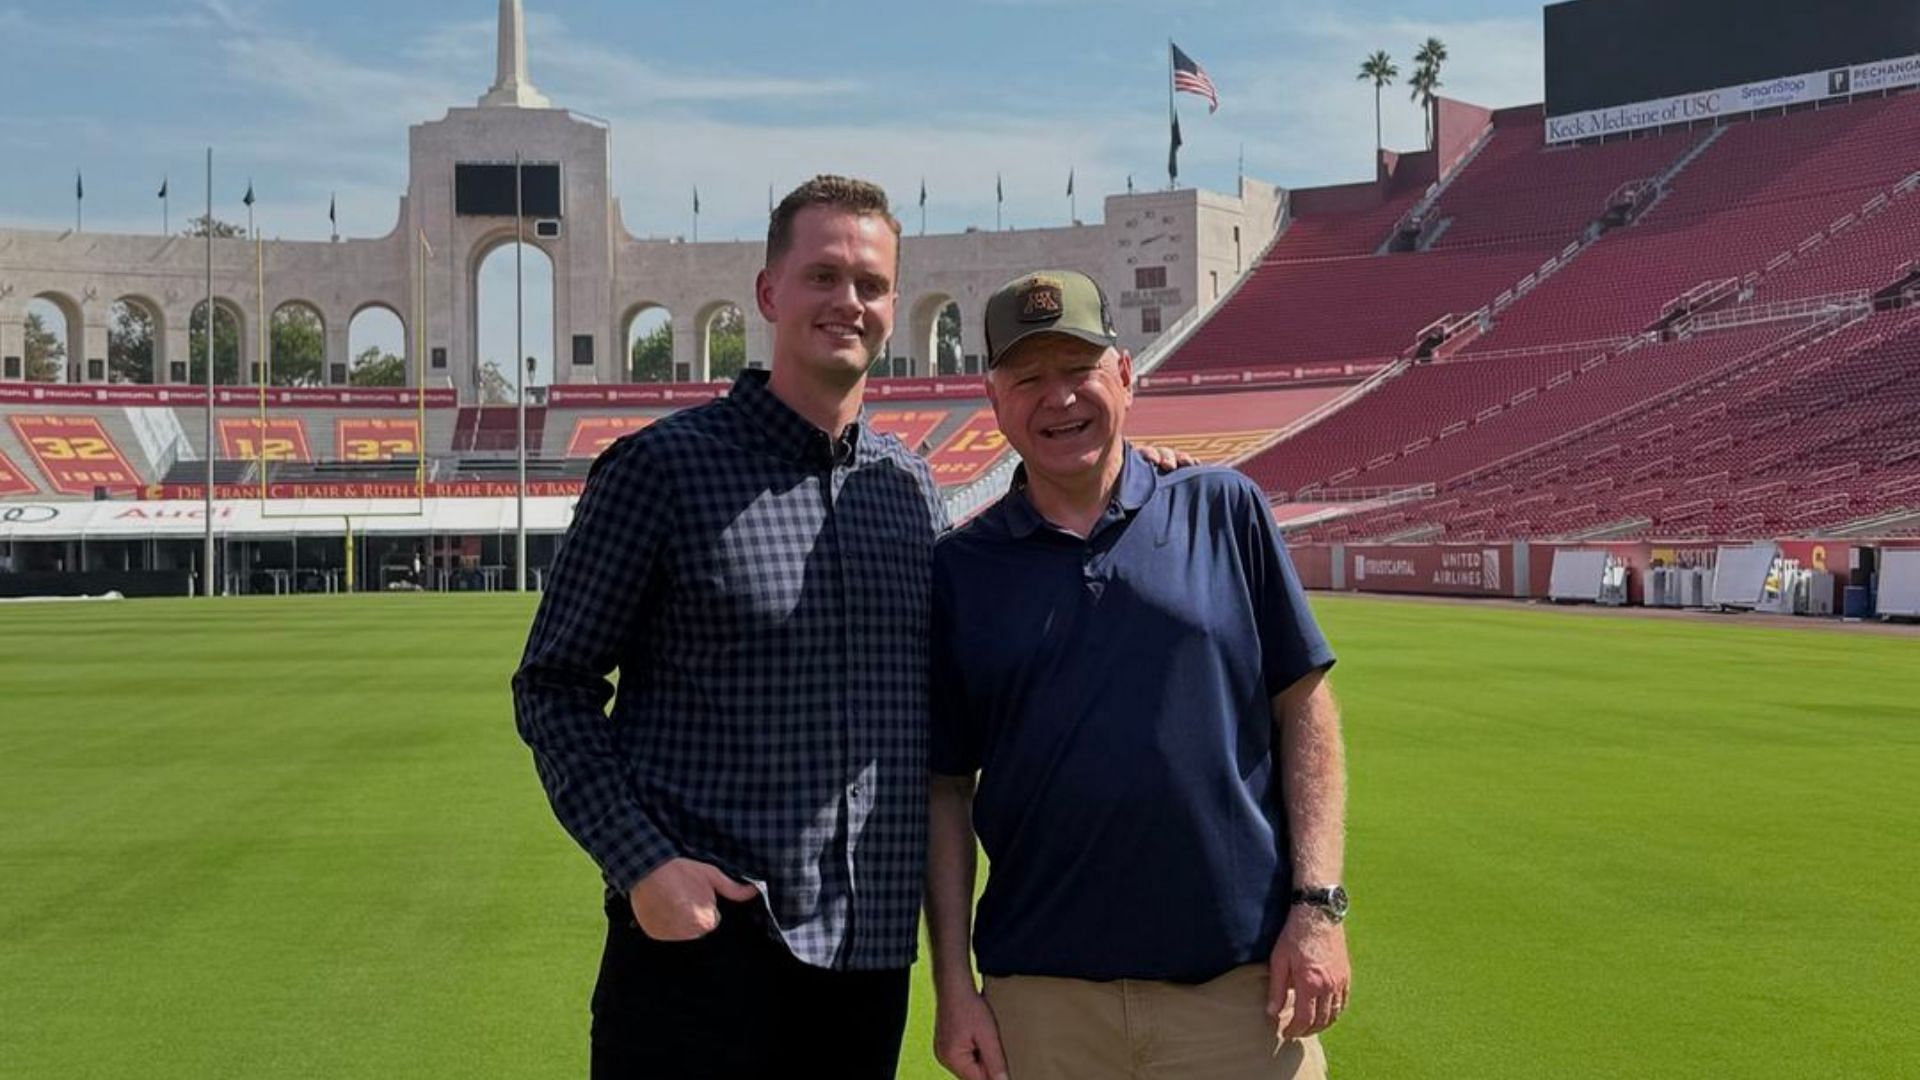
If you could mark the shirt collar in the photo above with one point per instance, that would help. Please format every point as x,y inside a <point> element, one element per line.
<point>1138,481</point>
<point>787,432</point>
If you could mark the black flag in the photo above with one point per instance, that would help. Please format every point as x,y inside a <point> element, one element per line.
<point>1069,181</point>
<point>923,192</point>
<point>79,187</point>
<point>333,209</point>
<point>696,198</point>
<point>248,198</point>
<point>1173,153</point>
<point>999,193</point>
<point>163,188</point>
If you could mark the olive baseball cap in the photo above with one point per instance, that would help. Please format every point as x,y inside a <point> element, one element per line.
<point>1047,302</point>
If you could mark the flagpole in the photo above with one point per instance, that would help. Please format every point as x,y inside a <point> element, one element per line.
<point>166,207</point>
<point>206,549</point>
<point>1172,117</point>
<point>520,404</point>
<point>79,199</point>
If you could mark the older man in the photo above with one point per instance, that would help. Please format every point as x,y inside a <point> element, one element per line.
<point>1127,663</point>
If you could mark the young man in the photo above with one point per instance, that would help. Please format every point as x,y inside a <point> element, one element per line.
<point>758,571</point>
<point>1128,664</point>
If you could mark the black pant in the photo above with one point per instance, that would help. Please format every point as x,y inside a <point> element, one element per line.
<point>736,1005</point>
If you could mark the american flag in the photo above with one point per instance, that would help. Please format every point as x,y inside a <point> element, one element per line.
<point>1189,77</point>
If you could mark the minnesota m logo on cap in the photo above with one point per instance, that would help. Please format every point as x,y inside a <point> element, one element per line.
<point>1047,302</point>
<point>1040,299</point>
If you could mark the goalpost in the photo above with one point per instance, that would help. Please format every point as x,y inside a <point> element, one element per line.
<point>423,253</point>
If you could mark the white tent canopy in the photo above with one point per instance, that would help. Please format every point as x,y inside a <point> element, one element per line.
<point>238,519</point>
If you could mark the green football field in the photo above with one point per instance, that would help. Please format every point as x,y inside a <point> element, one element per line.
<point>299,837</point>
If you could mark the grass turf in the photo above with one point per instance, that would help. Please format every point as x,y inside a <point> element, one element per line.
<point>299,838</point>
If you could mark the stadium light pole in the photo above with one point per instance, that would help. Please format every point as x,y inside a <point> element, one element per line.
<point>522,373</point>
<point>206,549</point>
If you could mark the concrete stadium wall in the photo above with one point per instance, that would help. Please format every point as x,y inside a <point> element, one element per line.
<point>1523,570</point>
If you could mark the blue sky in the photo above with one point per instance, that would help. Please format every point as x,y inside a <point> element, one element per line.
<point>310,99</point>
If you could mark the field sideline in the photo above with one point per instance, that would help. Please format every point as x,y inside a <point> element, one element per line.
<point>299,837</point>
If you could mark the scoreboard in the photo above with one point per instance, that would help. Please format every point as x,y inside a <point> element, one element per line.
<point>1619,65</point>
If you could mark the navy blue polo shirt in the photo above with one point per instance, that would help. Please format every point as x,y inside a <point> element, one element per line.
<point>1115,696</point>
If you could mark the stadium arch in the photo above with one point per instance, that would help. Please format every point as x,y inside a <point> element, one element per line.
<point>70,331</point>
<point>376,322</point>
<point>704,323</point>
<point>925,351</point>
<point>129,359</point>
<point>643,318</point>
<point>283,362</point>
<point>539,282</point>
<point>229,366</point>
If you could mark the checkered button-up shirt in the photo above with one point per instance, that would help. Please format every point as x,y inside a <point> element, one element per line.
<point>764,592</point>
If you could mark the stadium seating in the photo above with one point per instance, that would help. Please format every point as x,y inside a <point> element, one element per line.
<point>1518,191</point>
<point>1813,428</point>
<point>1759,192</point>
<point>1360,308</point>
<point>497,428</point>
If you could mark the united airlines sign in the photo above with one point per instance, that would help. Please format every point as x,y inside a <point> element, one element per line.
<point>1735,100</point>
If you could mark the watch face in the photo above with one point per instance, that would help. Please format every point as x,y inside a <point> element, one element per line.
<point>1337,901</point>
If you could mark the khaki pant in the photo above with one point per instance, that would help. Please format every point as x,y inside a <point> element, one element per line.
<point>1070,1029</point>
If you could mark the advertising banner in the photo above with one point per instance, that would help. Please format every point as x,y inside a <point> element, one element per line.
<point>587,397</point>
<point>1433,569</point>
<point>382,489</point>
<point>74,452</point>
<point>1734,100</point>
<point>225,396</point>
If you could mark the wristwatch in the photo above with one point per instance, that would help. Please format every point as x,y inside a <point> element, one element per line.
<point>1330,900</point>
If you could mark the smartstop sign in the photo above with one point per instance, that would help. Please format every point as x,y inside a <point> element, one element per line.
<point>1775,93</point>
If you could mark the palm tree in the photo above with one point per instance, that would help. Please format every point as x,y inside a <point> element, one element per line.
<point>1426,79</point>
<point>1423,83</point>
<point>1378,67</point>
